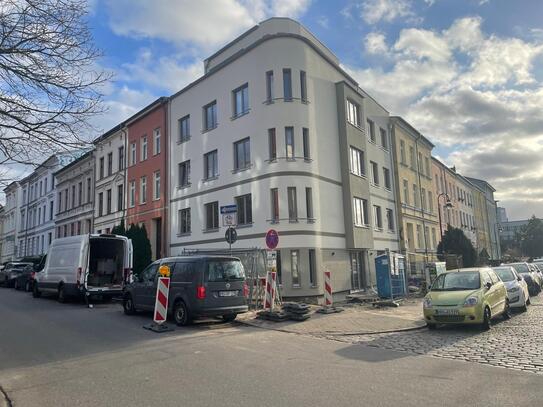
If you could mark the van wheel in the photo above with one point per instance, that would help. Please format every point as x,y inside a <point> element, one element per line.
<point>61,295</point>
<point>128,305</point>
<point>36,293</point>
<point>181,314</point>
<point>229,317</point>
<point>485,326</point>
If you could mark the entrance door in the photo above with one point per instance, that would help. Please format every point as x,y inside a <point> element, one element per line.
<point>358,275</point>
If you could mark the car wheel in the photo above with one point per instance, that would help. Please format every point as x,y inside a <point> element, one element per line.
<point>61,295</point>
<point>486,319</point>
<point>507,311</point>
<point>229,317</point>
<point>128,305</point>
<point>181,314</point>
<point>431,326</point>
<point>524,308</point>
<point>36,293</point>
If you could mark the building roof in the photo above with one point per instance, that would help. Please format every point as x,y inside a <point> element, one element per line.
<point>481,182</point>
<point>74,162</point>
<point>409,127</point>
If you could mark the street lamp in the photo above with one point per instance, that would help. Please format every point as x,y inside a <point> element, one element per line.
<point>448,205</point>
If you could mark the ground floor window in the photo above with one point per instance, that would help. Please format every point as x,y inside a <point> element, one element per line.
<point>294,269</point>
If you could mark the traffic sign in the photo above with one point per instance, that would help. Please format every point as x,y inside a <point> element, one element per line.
<point>231,235</point>
<point>229,209</point>
<point>272,239</point>
<point>271,257</point>
<point>230,219</point>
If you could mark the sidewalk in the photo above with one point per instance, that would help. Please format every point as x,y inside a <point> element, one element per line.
<point>357,319</point>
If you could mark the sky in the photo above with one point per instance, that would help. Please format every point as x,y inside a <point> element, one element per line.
<point>466,73</point>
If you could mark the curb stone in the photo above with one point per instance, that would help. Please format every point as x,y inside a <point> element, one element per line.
<point>4,400</point>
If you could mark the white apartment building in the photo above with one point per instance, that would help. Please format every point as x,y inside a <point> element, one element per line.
<point>10,221</point>
<point>75,197</point>
<point>269,127</point>
<point>109,179</point>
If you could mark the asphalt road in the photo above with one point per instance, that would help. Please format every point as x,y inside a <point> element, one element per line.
<point>66,355</point>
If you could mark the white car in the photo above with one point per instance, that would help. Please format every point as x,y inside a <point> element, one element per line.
<point>517,288</point>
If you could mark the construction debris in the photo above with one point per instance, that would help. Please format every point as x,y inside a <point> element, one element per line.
<point>290,311</point>
<point>330,310</point>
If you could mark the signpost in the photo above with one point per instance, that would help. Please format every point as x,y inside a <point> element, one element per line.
<point>231,236</point>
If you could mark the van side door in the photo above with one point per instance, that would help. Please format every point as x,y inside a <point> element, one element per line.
<point>143,285</point>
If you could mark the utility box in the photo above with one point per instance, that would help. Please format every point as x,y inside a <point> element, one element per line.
<point>390,272</point>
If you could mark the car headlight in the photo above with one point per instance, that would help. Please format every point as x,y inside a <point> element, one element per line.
<point>513,290</point>
<point>471,301</point>
<point>427,303</point>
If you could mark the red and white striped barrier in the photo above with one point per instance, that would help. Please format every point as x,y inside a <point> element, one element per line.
<point>328,299</point>
<point>161,302</point>
<point>270,291</point>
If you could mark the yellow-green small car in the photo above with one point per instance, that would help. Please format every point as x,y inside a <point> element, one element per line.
<point>466,296</point>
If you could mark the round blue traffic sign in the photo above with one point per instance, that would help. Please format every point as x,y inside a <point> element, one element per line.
<point>272,239</point>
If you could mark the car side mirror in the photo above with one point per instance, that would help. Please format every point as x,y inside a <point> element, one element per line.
<point>519,278</point>
<point>488,285</point>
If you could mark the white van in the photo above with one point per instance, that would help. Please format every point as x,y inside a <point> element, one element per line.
<point>88,265</point>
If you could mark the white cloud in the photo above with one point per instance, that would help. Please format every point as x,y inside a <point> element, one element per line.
<point>375,43</point>
<point>323,21</point>
<point>423,44</point>
<point>206,23</point>
<point>374,11</point>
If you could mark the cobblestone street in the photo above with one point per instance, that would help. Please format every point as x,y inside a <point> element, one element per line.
<point>514,344</point>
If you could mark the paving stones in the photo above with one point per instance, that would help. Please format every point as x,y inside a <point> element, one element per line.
<point>513,344</point>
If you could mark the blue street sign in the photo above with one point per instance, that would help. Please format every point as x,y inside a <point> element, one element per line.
<point>229,209</point>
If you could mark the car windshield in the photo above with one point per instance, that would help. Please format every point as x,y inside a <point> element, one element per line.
<point>457,281</point>
<point>521,268</point>
<point>505,273</point>
<point>224,270</point>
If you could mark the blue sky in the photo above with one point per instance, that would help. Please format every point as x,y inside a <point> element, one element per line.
<point>467,73</point>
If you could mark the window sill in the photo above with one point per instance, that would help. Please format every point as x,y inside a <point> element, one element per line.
<point>235,171</point>
<point>184,234</point>
<point>362,226</point>
<point>181,187</point>
<point>379,230</point>
<point>373,184</point>
<point>210,230</point>
<point>356,126</point>
<point>184,140</point>
<point>240,114</point>
<point>210,129</point>
<point>363,176</point>
<point>372,142</point>
<point>210,178</point>
<point>293,221</point>
<point>244,225</point>
<point>296,286</point>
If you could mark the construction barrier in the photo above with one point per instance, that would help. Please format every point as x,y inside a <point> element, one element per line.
<point>270,291</point>
<point>328,299</point>
<point>161,302</point>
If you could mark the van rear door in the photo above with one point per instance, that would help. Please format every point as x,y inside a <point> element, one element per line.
<point>224,280</point>
<point>129,255</point>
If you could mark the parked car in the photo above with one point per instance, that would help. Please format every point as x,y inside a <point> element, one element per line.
<point>200,286</point>
<point>529,275</point>
<point>466,296</point>
<point>538,268</point>
<point>12,270</point>
<point>517,288</point>
<point>85,265</point>
<point>25,280</point>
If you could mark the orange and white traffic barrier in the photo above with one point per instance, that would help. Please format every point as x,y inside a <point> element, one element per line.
<point>328,299</point>
<point>161,302</point>
<point>270,291</point>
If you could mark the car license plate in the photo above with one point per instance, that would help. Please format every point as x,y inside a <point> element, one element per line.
<point>446,312</point>
<point>228,293</point>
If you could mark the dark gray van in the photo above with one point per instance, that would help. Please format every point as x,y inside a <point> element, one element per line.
<point>200,286</point>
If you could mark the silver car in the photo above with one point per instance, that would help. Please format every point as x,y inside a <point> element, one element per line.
<point>517,288</point>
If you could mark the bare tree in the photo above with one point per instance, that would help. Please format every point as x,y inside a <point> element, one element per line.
<point>49,78</point>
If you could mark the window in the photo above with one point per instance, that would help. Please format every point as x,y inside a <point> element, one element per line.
<point>73,196</point>
<point>374,173</point>
<point>211,166</point>
<point>292,204</point>
<point>132,189</point>
<point>144,148</point>
<point>109,163</point>
<point>430,202</point>
<point>184,221</point>
<point>156,142</point>
<point>89,189</point>
<point>240,98</point>
<point>303,86</point>
<point>419,236</point>
<point>390,220</point>
<point>421,164</point>
<point>378,217</point>
<point>384,138</point>
<point>66,199</point>
<point>412,157</point>
<point>156,185</point>
<point>371,130</point>
<point>108,200</point>
<point>353,113</point>
<point>212,215</point>
<point>121,158</point>
<point>51,208</point>
<point>120,197</point>
<point>39,216</point>
<point>272,143</point>
<point>269,86</point>
<point>406,191</point>
<point>184,128</point>
<point>143,190</point>
<point>386,177</point>
<point>274,194</point>
<point>312,267</point>
<point>80,193</point>
<point>100,204</point>
<point>133,154</point>
<point>101,167</point>
<point>305,142</point>
<point>294,270</point>
<point>287,85</point>
<point>427,166</point>
<point>210,116</point>
<point>416,198</point>
<point>242,154</point>
<point>289,142</point>
<point>434,240</point>
<point>426,237</point>
<point>245,209</point>
<point>360,211</point>
<point>358,166</point>
<point>79,227</point>
<point>309,203</point>
<point>423,199</point>
<point>184,173</point>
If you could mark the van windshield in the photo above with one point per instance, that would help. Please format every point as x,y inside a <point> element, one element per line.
<point>224,270</point>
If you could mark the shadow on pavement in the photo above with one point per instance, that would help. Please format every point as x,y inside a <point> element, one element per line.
<point>375,355</point>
